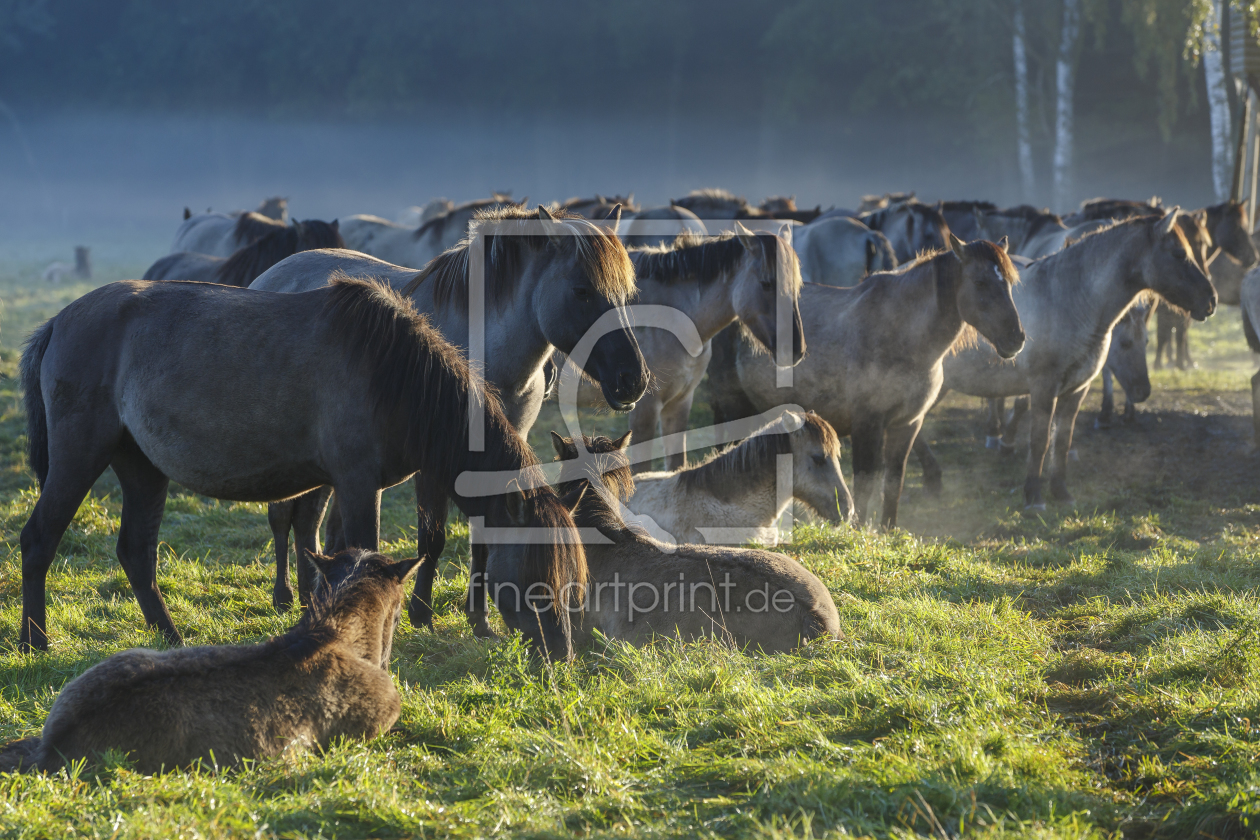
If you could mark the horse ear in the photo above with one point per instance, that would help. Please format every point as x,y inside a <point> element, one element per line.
<point>599,199</point>
<point>544,214</point>
<point>404,569</point>
<point>573,498</point>
<point>623,442</point>
<point>746,237</point>
<point>187,214</point>
<point>560,445</point>
<point>786,232</point>
<point>1005,244</point>
<point>335,224</point>
<point>1167,223</point>
<point>957,246</point>
<point>322,562</point>
<point>614,216</point>
<point>518,506</point>
<point>630,198</point>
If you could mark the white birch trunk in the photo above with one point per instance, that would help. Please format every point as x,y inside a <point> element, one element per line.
<point>1022,135</point>
<point>1215,74</point>
<point>1065,79</point>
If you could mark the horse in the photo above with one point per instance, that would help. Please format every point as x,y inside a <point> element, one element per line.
<point>223,234</point>
<point>877,352</point>
<point>733,497</point>
<point>415,215</point>
<point>784,207</point>
<point>714,282</point>
<point>1032,233</point>
<point>245,265</point>
<point>1126,363</point>
<point>326,678</point>
<point>1070,302</point>
<point>600,206</point>
<point>717,204</point>
<point>961,218</point>
<point>1249,301</point>
<point>841,251</point>
<point>911,228</point>
<point>414,247</point>
<point>769,601</point>
<point>1114,209</point>
<point>660,226</point>
<point>542,292</point>
<point>244,395</point>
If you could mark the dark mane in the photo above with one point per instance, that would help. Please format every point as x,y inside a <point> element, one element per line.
<point>607,478</point>
<point>964,206</point>
<point>421,383</point>
<point>244,266</point>
<point>601,203</point>
<point>496,200</point>
<point>691,257</point>
<point>603,257</point>
<point>723,470</point>
<point>251,226</point>
<point>1097,209</point>
<point>876,218</point>
<point>316,628</point>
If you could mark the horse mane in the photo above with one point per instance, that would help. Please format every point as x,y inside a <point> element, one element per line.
<point>316,628</point>
<point>714,194</point>
<point>703,259</point>
<point>987,206</point>
<point>247,263</point>
<point>602,255</point>
<point>443,219</point>
<point>927,211</point>
<point>724,469</point>
<point>608,479</point>
<point>252,226</point>
<point>383,333</point>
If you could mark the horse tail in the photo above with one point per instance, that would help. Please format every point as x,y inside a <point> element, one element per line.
<point>36,419</point>
<point>1249,331</point>
<point>17,756</point>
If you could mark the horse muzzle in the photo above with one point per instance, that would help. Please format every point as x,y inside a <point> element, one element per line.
<point>622,395</point>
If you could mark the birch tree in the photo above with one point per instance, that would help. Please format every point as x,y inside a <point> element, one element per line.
<point>1023,136</point>
<point>1065,83</point>
<point>1214,73</point>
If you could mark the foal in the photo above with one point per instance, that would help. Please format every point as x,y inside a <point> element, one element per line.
<point>747,597</point>
<point>326,678</point>
<point>734,497</point>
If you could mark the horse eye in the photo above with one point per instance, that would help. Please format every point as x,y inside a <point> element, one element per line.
<point>819,460</point>
<point>582,292</point>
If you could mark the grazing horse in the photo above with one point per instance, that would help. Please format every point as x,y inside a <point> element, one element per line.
<point>876,352</point>
<point>223,234</point>
<point>714,282</point>
<point>1126,362</point>
<point>600,206</point>
<point>243,395</point>
<point>660,226</point>
<point>1069,302</point>
<point>326,678</point>
<point>548,280</point>
<point>768,601</point>
<point>841,251</point>
<point>911,227</point>
<point>733,497</point>
<point>245,265</point>
<point>414,247</point>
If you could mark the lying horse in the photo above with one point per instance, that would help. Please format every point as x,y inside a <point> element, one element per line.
<point>768,601</point>
<point>326,678</point>
<point>876,352</point>
<point>1069,303</point>
<point>249,396</point>
<point>414,247</point>
<point>714,282</point>
<point>243,267</point>
<point>548,280</point>
<point>222,234</point>
<point>840,251</point>
<point>735,496</point>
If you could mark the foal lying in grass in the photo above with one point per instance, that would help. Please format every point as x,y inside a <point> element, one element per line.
<point>327,677</point>
<point>640,588</point>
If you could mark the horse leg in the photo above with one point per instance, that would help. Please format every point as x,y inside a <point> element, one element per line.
<point>1069,405</point>
<point>932,474</point>
<point>1042,409</point>
<point>643,419</point>
<point>308,513</point>
<point>431,502</point>
<point>1163,335</point>
<point>1108,409</point>
<point>64,490</point>
<point>1255,421</point>
<point>280,519</point>
<point>897,450</point>
<point>477,585</point>
<point>360,507</point>
<point>336,537</point>
<point>1184,362</point>
<point>144,500</point>
<point>868,463</point>
<point>1018,409</point>
<point>993,435</point>
<point>674,421</point>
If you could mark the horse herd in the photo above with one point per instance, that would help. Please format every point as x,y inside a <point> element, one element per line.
<point>315,360</point>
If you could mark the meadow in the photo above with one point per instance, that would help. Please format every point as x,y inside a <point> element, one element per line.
<point>1083,672</point>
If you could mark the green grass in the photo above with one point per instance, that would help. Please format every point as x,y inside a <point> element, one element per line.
<point>1086,672</point>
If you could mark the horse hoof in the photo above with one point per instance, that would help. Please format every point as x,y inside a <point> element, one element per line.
<point>483,631</point>
<point>933,486</point>
<point>282,600</point>
<point>992,442</point>
<point>1036,507</point>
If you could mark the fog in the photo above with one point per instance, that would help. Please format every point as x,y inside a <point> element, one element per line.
<point>119,181</point>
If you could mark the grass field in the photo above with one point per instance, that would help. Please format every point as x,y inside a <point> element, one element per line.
<point>1086,672</point>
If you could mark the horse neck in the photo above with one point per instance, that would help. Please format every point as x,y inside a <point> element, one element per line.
<point>710,305</point>
<point>1099,277</point>
<point>360,623</point>
<point>926,296</point>
<point>754,491</point>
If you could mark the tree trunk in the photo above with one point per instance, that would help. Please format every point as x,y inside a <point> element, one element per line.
<point>1215,74</point>
<point>1022,135</point>
<point>1065,77</point>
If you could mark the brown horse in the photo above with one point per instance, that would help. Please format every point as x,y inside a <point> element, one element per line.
<point>326,678</point>
<point>244,266</point>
